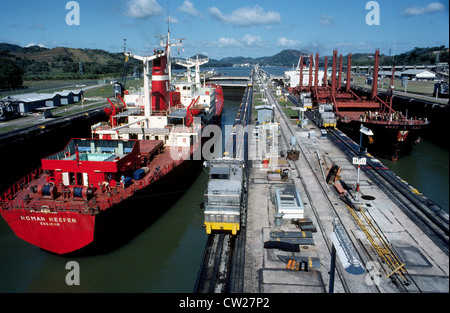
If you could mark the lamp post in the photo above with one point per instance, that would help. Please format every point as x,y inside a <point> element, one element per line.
<point>359,160</point>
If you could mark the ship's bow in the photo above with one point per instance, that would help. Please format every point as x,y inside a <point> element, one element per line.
<point>60,233</point>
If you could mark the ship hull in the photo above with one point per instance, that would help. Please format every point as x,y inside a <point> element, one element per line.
<point>61,232</point>
<point>390,141</point>
<point>85,234</point>
<point>74,231</point>
<point>104,191</point>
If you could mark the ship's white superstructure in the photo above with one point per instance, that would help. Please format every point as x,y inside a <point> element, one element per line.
<point>293,77</point>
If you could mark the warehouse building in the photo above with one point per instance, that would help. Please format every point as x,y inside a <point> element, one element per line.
<point>32,102</point>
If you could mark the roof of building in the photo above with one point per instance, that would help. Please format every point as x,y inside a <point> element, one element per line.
<point>35,97</point>
<point>388,73</point>
<point>418,72</point>
<point>264,107</point>
<point>31,97</point>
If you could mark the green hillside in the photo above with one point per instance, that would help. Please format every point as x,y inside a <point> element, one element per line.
<point>418,56</point>
<point>64,63</point>
<point>285,58</point>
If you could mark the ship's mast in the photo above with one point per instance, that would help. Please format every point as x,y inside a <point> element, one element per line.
<point>178,42</point>
<point>193,63</point>
<point>145,60</point>
<point>146,64</point>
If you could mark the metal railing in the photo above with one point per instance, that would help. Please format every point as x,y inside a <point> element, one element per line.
<point>118,195</point>
<point>14,189</point>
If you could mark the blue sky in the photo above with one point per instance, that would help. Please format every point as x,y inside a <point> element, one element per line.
<point>218,29</point>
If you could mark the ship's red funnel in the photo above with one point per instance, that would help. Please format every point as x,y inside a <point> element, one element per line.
<point>160,84</point>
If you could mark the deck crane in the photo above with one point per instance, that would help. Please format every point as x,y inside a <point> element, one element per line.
<point>193,63</point>
<point>119,87</point>
<point>118,104</point>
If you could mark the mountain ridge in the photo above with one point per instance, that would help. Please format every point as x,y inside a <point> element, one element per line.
<point>38,62</point>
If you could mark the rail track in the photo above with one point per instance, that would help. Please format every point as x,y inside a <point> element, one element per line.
<point>224,256</point>
<point>431,219</point>
<point>222,268</point>
<point>223,264</point>
<point>216,265</point>
<point>428,216</point>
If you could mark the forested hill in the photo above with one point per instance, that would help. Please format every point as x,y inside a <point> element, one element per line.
<point>417,56</point>
<point>64,63</point>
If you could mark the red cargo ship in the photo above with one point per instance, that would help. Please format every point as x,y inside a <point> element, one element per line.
<point>393,133</point>
<point>105,190</point>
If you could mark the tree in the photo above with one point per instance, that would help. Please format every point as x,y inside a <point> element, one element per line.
<point>11,74</point>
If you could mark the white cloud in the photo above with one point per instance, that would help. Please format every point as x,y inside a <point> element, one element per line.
<point>247,17</point>
<point>252,41</point>
<point>32,44</point>
<point>217,14</point>
<point>326,20</point>
<point>143,8</point>
<point>228,42</point>
<point>364,46</point>
<point>284,42</point>
<point>173,20</point>
<point>246,41</point>
<point>430,8</point>
<point>188,7</point>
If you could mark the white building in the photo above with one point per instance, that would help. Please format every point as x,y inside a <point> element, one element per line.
<point>419,74</point>
<point>293,77</point>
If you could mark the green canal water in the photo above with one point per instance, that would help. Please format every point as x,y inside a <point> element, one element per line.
<point>164,258</point>
<point>427,170</point>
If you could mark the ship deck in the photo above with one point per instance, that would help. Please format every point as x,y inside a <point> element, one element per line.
<point>348,116</point>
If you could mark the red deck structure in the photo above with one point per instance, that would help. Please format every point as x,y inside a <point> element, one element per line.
<point>62,198</point>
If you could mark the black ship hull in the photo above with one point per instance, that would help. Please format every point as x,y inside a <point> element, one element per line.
<point>390,141</point>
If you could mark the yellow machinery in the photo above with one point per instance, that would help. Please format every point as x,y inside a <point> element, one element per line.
<point>224,196</point>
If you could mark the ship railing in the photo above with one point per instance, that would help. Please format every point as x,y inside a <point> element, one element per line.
<point>10,193</point>
<point>137,185</point>
<point>393,121</point>
<point>101,126</point>
<point>160,112</point>
<point>174,108</point>
<point>168,111</point>
<point>89,208</point>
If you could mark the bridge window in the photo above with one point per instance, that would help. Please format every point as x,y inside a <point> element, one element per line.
<point>157,65</point>
<point>219,176</point>
<point>220,173</point>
